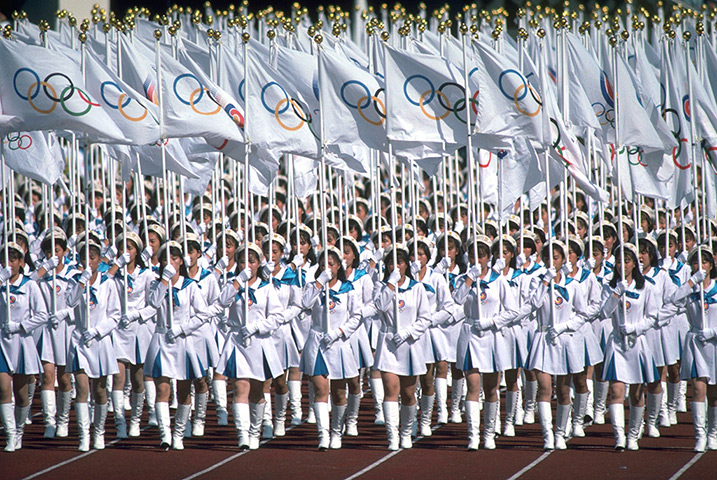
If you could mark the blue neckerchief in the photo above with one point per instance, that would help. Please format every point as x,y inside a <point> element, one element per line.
<point>93,290</point>
<point>175,291</point>
<point>252,295</point>
<point>359,273</point>
<point>334,295</point>
<point>633,295</point>
<point>673,273</point>
<point>650,280</point>
<point>655,271</point>
<point>204,274</point>
<point>562,291</point>
<point>290,278</point>
<point>484,284</point>
<point>155,269</point>
<point>516,274</point>
<point>532,269</point>
<point>609,265</point>
<point>411,284</point>
<point>103,267</point>
<point>429,288</point>
<point>15,289</point>
<point>584,275</point>
<point>452,277</point>
<point>710,296</point>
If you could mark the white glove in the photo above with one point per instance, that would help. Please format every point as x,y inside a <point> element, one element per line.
<point>72,241</point>
<point>363,265</point>
<point>248,330</point>
<point>128,318</point>
<point>394,277</point>
<point>520,260</point>
<point>174,333</point>
<point>628,328</point>
<point>482,324</point>
<point>89,335</point>
<point>211,251</point>
<point>459,226</point>
<point>499,265</point>
<point>5,274</point>
<point>706,334</point>
<point>222,263</point>
<point>400,338</point>
<point>111,252</point>
<point>315,241</point>
<point>298,260</point>
<point>378,255</point>
<point>122,260</point>
<point>553,335</point>
<point>474,272</point>
<point>323,278</point>
<point>168,273</point>
<point>12,328</point>
<point>567,267</point>
<point>287,250</point>
<point>682,257</point>
<point>442,266</point>
<point>147,255</point>
<point>591,263</point>
<point>201,228</point>
<point>269,269</point>
<point>63,314</point>
<point>52,321</point>
<point>330,337</point>
<point>244,275</point>
<point>698,277</point>
<point>86,275</point>
<point>51,263</point>
<point>620,288</point>
<point>550,274</point>
<point>415,267</point>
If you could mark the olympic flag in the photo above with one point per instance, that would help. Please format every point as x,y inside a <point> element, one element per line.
<point>34,154</point>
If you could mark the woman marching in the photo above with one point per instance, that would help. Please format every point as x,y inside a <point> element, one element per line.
<point>399,354</point>
<point>489,305</point>
<point>171,353</point>
<point>249,357</point>
<point>628,359</point>
<point>22,299</point>
<point>328,357</point>
<point>699,358</point>
<point>91,353</point>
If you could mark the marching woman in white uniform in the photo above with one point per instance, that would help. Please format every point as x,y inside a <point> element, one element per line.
<point>399,353</point>
<point>21,297</point>
<point>628,359</point>
<point>328,357</point>
<point>489,305</point>
<point>249,357</point>
<point>435,340</point>
<point>171,353</point>
<point>132,337</point>
<point>699,357</point>
<point>91,354</point>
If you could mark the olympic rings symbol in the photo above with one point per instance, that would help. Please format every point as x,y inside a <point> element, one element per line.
<point>676,152</point>
<point>606,116</point>
<point>120,104</point>
<point>364,101</point>
<point>444,99</point>
<point>520,88</point>
<point>18,142</point>
<point>676,128</point>
<point>273,89</point>
<point>50,85</point>
<point>487,164</point>
<point>632,152</point>
<point>195,96</point>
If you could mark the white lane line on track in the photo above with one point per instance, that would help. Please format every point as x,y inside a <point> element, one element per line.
<point>531,465</point>
<point>229,459</point>
<point>686,466</point>
<point>384,458</point>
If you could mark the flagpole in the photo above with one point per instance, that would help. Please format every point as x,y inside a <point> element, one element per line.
<point>88,174</point>
<point>7,218</point>
<point>245,46</point>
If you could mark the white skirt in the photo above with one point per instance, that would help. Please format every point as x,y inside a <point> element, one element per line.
<point>487,352</point>
<point>589,346</point>
<point>176,360</point>
<point>97,360</point>
<point>18,355</point>
<point>679,327</point>
<point>602,329</point>
<point>406,360</point>
<point>516,343</point>
<point>300,326</point>
<point>664,345</point>
<point>361,346</point>
<point>257,361</point>
<point>336,362</point>
<point>562,358</point>
<point>54,343</point>
<point>205,346</point>
<point>633,364</point>
<point>699,360</point>
<point>286,347</point>
<point>373,330</point>
<point>444,342</point>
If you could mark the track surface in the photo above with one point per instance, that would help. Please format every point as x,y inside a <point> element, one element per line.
<point>443,455</point>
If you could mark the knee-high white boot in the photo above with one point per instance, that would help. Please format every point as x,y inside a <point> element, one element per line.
<point>295,401</point>
<point>424,427</point>
<point>8,422</point>
<point>698,418</point>
<point>511,408</point>
<point>31,387</point>
<point>82,411</point>
<point>390,414</point>
<point>682,397</point>
<point>256,417</point>
<point>441,385</point>
<point>408,418</point>
<point>321,413</point>
<point>617,417</point>
<point>545,415</point>
<point>150,396</point>
<point>338,418</point>
<point>634,424</point>
<point>712,428</point>
<point>118,412</point>
<point>473,421</point>
<point>562,415</point>
<point>654,403</point>
<point>180,425</point>
<point>580,405</point>
<point>529,394</point>
<point>220,398</point>
<point>267,423</point>
<point>589,414</point>
<point>21,414</point>
<point>456,395</point>
<point>280,404</point>
<point>664,413</point>
<point>490,414</point>
<point>377,393</point>
<point>49,411</point>
<point>241,423</point>
<point>64,403</point>
<point>601,389</point>
<point>673,392</point>
<point>100,419</point>
<point>165,430</point>
<point>200,413</point>
<point>352,413</point>
<point>135,416</point>
<point>311,418</point>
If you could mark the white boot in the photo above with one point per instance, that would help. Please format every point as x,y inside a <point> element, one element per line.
<point>511,407</point>
<point>519,411</point>
<point>424,427</point>
<point>100,418</point>
<point>267,423</point>
<point>256,417</point>
<point>664,413</point>
<point>580,405</point>
<point>30,395</point>
<point>390,414</point>
<point>456,394</point>
<point>377,393</point>
<point>321,413</point>
<point>673,392</point>
<point>473,421</point>
<point>562,414</point>
<point>200,413</point>
<point>352,413</point>
<point>64,403</point>
<point>220,398</point>
<point>295,401</point>
<point>181,418</point>
<point>441,385</point>
<point>531,390</point>
<point>21,414</point>
<point>634,424</point>
<point>654,403</point>
<point>49,411</point>
<point>682,397</point>
<point>150,396</point>
<point>165,431</point>
<point>617,417</point>
<point>712,428</point>
<point>490,414</point>
<point>698,418</point>
<point>338,418</point>
<point>589,414</point>
<point>280,404</point>
<point>8,421</point>
<point>82,411</point>
<point>241,423</point>
<point>135,416</point>
<point>311,417</point>
<point>118,411</point>
<point>601,390</point>
<point>545,416</point>
<point>408,418</point>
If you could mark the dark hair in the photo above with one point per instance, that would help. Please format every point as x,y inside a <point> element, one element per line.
<point>356,253</point>
<point>341,275</point>
<point>239,258</point>
<point>138,261</point>
<point>651,251</point>
<point>713,271</point>
<point>93,248</point>
<point>388,261</point>
<point>496,254</point>
<point>459,254</point>
<point>546,250</point>
<point>303,236</point>
<point>173,252</point>
<point>617,272</point>
<point>46,245</point>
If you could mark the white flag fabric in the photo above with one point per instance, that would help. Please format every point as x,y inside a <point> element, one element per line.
<point>45,91</point>
<point>34,154</point>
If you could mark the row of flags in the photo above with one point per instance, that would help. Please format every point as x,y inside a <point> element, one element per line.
<point>639,107</point>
